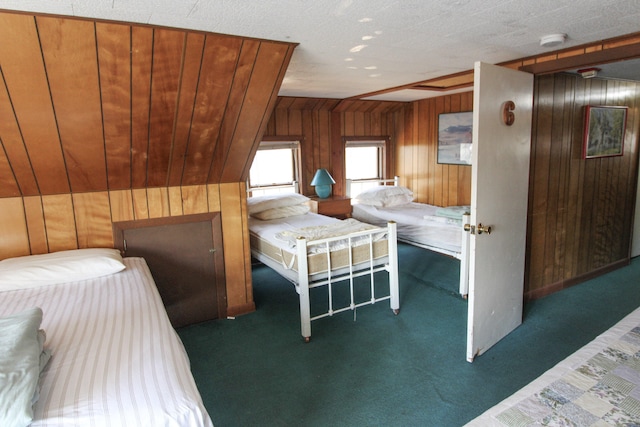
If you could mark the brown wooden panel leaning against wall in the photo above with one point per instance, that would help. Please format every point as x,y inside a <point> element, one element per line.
<point>186,259</point>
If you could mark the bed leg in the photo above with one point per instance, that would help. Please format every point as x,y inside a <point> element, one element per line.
<point>303,288</point>
<point>394,288</point>
<point>396,311</point>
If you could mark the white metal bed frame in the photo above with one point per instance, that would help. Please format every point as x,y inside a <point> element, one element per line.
<point>305,281</point>
<point>463,255</point>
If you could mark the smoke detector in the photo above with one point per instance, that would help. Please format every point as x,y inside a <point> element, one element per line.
<point>552,40</point>
<point>588,73</point>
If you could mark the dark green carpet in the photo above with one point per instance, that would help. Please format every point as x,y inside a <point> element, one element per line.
<point>380,369</point>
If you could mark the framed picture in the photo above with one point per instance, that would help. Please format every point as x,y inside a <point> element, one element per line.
<point>604,131</point>
<point>454,138</point>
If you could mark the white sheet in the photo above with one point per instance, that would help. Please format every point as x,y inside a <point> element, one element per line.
<point>115,360</point>
<point>596,393</point>
<point>413,227</point>
<point>270,228</point>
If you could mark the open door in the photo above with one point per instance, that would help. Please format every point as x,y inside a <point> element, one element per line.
<point>502,111</point>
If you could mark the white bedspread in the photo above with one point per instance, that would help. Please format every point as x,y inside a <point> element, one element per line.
<point>326,231</point>
<point>412,225</point>
<point>269,229</point>
<point>116,360</point>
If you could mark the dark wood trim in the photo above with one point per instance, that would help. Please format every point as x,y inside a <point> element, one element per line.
<point>563,284</point>
<point>604,56</point>
<point>277,138</point>
<point>241,309</point>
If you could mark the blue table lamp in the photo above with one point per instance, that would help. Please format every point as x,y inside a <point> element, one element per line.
<point>323,182</point>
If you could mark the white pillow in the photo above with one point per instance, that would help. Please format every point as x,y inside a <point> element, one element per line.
<point>58,267</point>
<point>383,195</point>
<point>262,203</point>
<point>397,200</point>
<point>283,212</point>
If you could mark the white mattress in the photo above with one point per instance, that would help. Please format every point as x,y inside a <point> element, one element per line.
<point>280,255</point>
<point>413,227</point>
<point>115,360</point>
<point>269,228</point>
<point>597,385</point>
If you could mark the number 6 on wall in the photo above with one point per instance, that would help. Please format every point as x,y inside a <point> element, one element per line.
<point>507,113</point>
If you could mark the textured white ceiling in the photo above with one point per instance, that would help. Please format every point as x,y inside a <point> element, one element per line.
<point>352,47</point>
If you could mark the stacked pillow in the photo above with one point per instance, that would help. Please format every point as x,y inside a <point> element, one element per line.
<point>277,206</point>
<point>385,196</point>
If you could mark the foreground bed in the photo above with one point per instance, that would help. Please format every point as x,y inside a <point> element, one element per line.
<point>115,359</point>
<point>439,229</point>
<point>295,243</point>
<point>599,385</point>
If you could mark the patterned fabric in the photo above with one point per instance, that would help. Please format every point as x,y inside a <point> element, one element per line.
<point>604,391</point>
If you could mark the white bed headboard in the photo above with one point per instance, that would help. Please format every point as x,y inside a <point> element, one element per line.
<point>356,186</point>
<point>261,190</point>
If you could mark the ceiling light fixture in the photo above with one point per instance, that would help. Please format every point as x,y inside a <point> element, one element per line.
<point>588,73</point>
<point>552,40</point>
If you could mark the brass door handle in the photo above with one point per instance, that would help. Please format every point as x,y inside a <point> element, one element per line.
<point>483,228</point>
<point>479,228</point>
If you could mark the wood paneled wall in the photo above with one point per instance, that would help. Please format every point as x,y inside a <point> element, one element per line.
<point>322,124</point>
<point>580,211</point>
<point>95,106</point>
<point>41,224</point>
<point>417,153</point>
<point>105,122</point>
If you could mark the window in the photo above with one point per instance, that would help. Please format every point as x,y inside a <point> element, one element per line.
<point>275,168</point>
<point>364,160</point>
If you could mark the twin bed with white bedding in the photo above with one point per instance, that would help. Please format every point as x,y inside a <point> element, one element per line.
<point>419,224</point>
<point>295,243</point>
<point>599,385</point>
<point>436,228</point>
<point>113,356</point>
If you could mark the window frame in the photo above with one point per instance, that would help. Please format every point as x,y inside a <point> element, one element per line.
<point>276,143</point>
<point>381,142</point>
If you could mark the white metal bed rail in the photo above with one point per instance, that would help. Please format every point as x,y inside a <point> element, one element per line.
<point>389,264</point>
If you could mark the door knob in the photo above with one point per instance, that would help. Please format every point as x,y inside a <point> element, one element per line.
<point>479,228</point>
<point>483,228</point>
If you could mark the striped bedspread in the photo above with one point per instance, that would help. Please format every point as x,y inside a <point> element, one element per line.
<point>115,359</point>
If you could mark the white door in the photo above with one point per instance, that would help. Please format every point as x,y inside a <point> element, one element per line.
<point>499,194</point>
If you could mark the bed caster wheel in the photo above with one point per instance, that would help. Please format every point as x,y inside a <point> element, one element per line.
<point>396,311</point>
<point>306,339</point>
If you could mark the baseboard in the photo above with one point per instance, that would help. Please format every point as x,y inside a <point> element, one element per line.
<point>239,310</point>
<point>563,284</point>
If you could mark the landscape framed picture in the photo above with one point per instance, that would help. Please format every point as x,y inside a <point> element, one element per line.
<point>604,129</point>
<point>454,138</point>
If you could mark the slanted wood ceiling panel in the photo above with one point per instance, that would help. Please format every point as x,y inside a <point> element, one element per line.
<point>25,78</point>
<point>93,106</point>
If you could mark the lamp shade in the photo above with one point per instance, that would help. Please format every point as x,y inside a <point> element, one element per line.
<point>323,181</point>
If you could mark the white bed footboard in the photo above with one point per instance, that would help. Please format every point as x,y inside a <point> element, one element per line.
<point>368,268</point>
